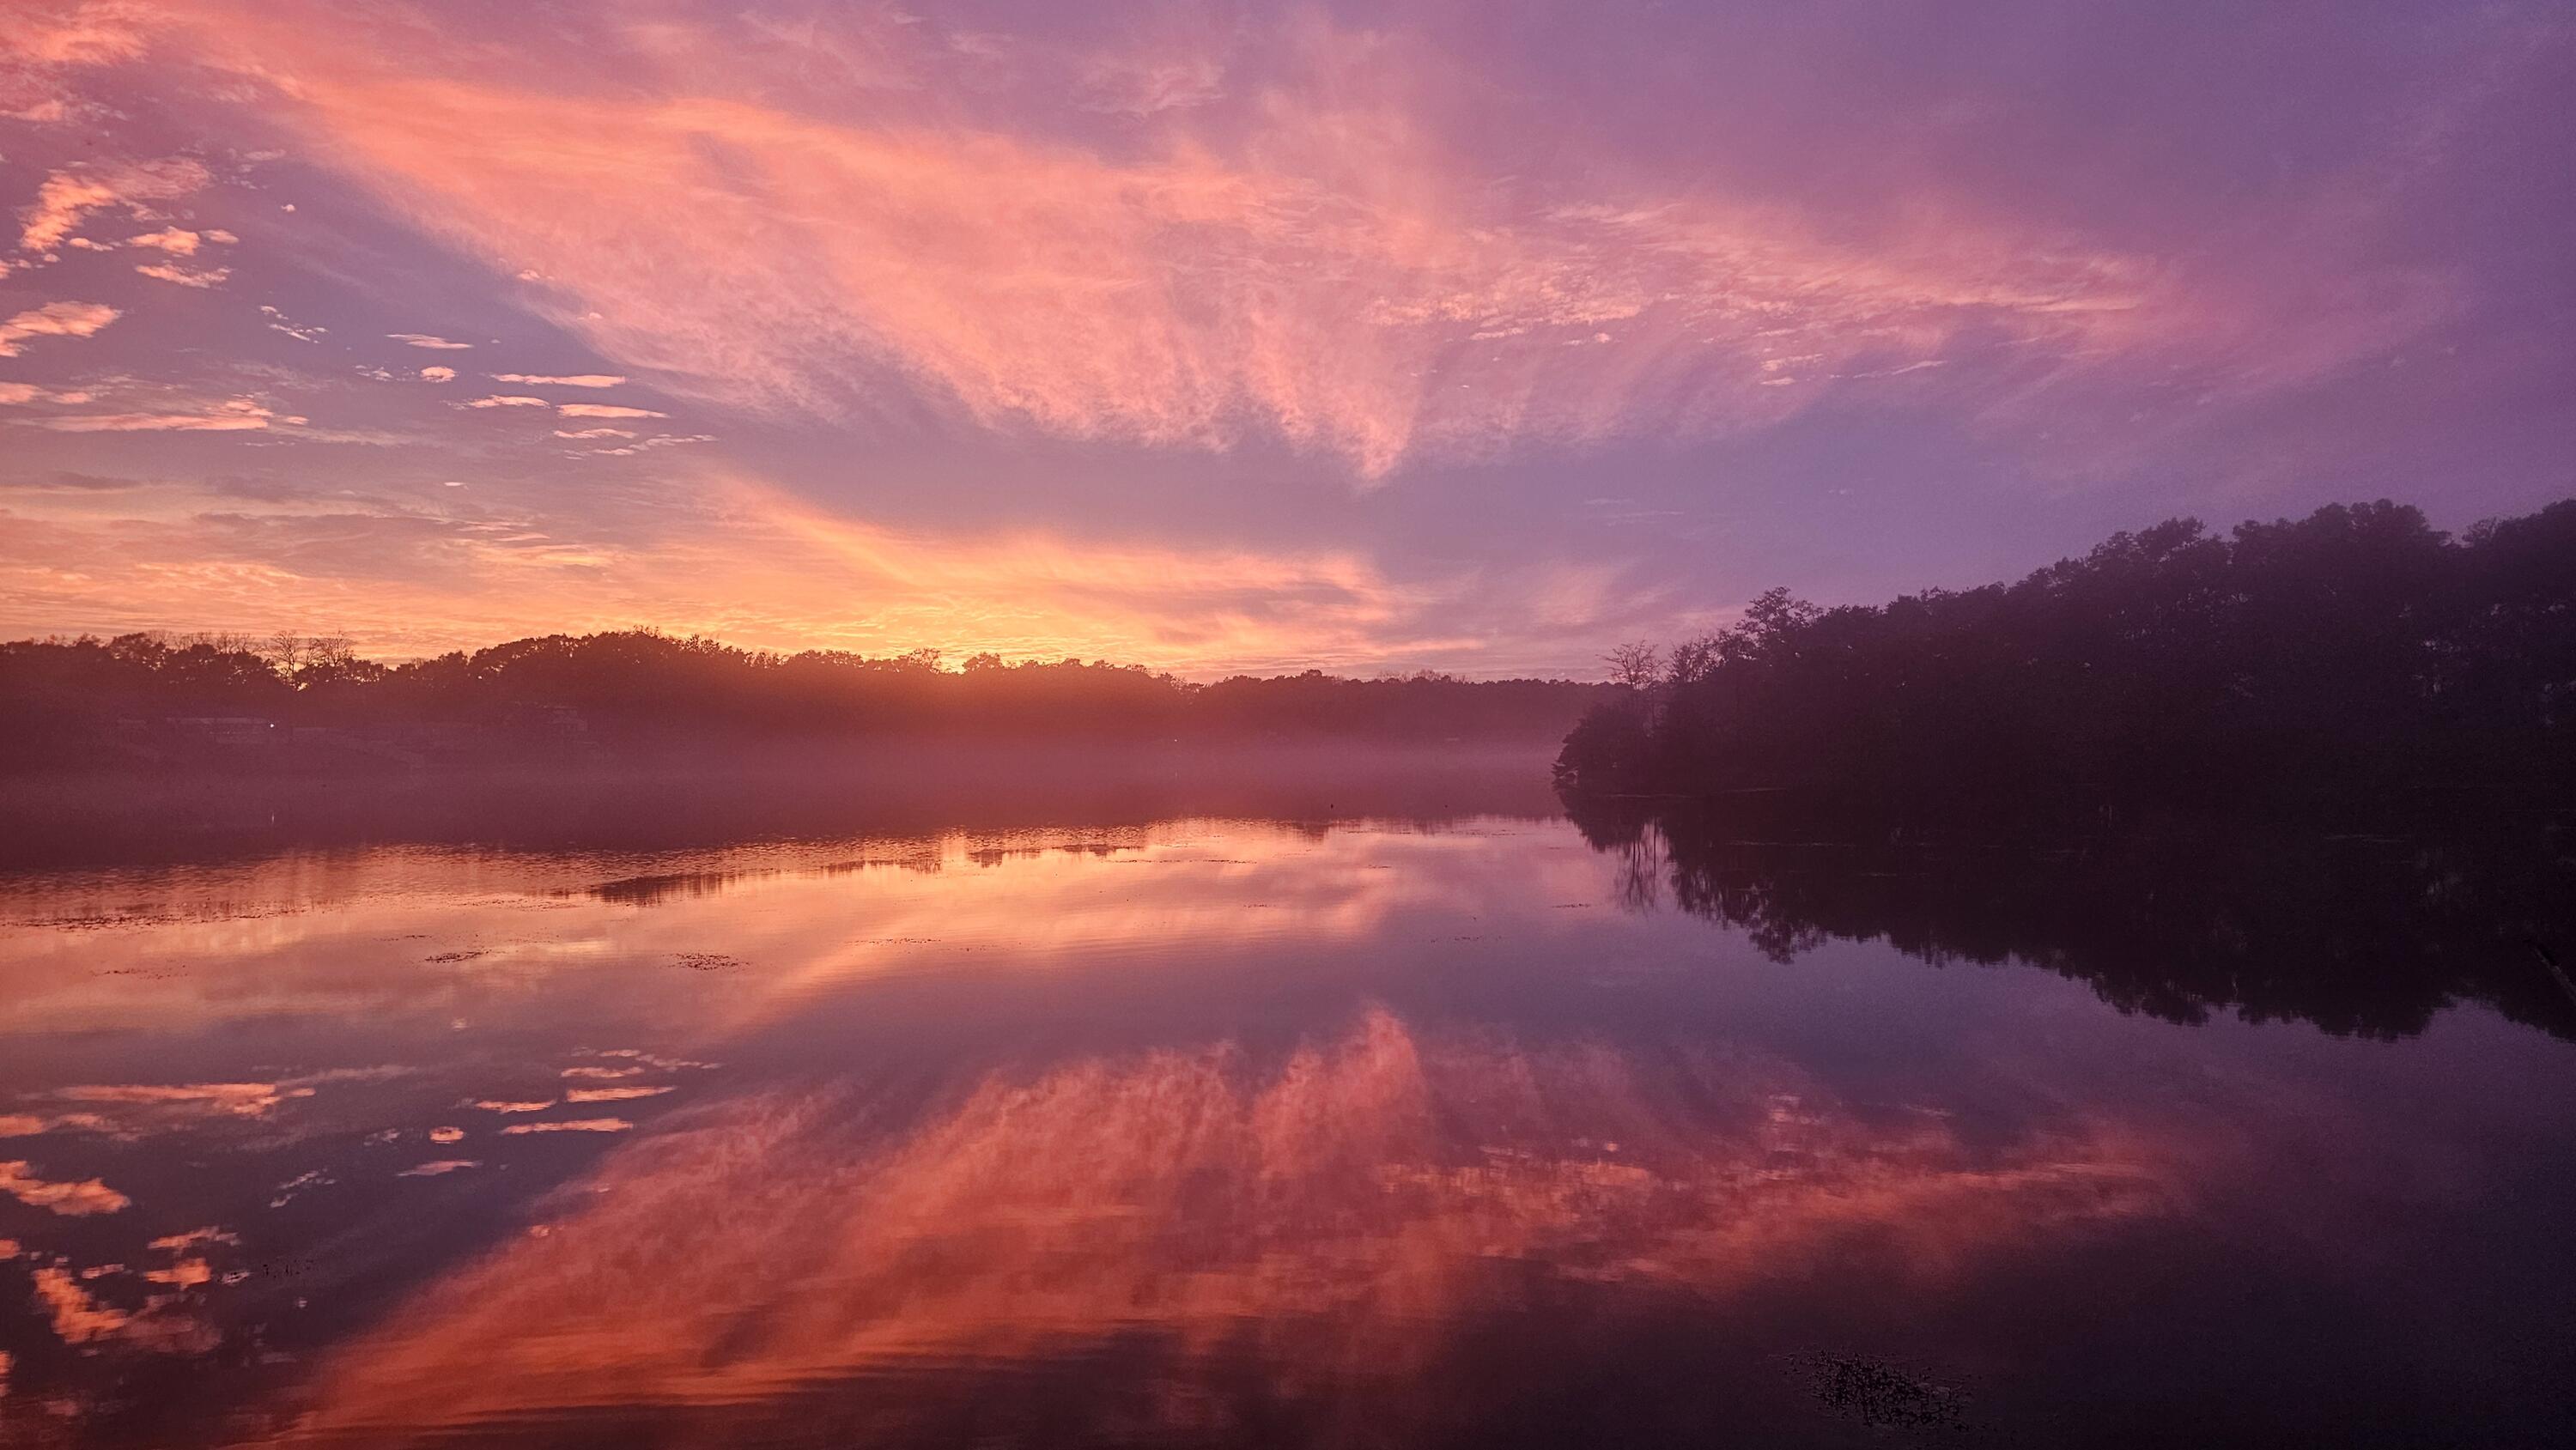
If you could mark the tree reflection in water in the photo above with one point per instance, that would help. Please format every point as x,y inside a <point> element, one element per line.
<point>2359,932</point>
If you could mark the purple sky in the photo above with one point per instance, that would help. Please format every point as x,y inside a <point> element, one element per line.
<point>1470,336</point>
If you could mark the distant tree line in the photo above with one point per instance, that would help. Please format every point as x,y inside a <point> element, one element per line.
<point>90,700</point>
<point>2358,646</point>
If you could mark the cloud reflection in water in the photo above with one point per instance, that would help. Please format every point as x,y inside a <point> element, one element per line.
<point>1331,1213</point>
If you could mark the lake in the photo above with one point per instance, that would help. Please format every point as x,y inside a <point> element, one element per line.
<point>1409,1114</point>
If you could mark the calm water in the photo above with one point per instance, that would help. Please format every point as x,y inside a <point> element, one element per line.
<point>1344,1130</point>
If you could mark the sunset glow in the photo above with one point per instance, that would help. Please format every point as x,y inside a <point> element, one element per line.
<point>1226,336</point>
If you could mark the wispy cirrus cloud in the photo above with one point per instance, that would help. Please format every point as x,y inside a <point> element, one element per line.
<point>42,45</point>
<point>573,380</point>
<point>428,340</point>
<point>1330,277</point>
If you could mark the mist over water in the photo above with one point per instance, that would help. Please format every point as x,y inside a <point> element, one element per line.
<point>1332,1100</point>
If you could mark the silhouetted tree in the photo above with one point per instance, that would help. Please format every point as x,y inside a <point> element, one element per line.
<point>2355,646</point>
<point>1634,665</point>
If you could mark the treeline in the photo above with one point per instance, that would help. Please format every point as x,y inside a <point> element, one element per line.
<point>149,696</point>
<point>2357,647</point>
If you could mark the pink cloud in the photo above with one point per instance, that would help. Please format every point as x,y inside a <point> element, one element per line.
<point>574,380</point>
<point>1331,275</point>
<point>41,45</point>
<point>230,416</point>
<point>605,410</point>
<point>95,32</point>
<point>54,319</point>
<point>19,394</point>
<point>70,195</point>
<point>173,240</point>
<point>186,277</point>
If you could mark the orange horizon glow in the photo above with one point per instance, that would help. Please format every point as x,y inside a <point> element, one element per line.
<point>1390,345</point>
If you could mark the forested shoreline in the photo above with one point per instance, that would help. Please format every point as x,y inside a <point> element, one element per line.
<point>2357,648</point>
<point>296,703</point>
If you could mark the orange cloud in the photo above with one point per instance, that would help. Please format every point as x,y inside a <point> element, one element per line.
<point>165,1324</point>
<point>70,1199</point>
<point>612,1094</point>
<point>77,1318</point>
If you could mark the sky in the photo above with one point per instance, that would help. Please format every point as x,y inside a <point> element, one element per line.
<point>1217,337</point>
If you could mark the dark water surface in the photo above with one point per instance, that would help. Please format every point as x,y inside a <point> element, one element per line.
<point>1443,1125</point>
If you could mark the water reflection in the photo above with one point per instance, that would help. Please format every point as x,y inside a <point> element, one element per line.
<point>2360,932</point>
<point>1201,1130</point>
<point>1326,1214</point>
